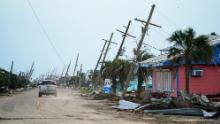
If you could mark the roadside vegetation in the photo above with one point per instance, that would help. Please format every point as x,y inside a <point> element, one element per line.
<point>117,71</point>
<point>9,81</point>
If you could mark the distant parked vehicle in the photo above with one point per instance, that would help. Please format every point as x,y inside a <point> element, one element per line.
<point>47,87</point>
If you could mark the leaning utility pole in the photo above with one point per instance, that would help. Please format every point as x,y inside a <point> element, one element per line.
<point>12,66</point>
<point>144,30</point>
<point>76,64</point>
<point>66,79</point>
<point>10,74</point>
<point>11,70</point>
<point>124,35</point>
<point>30,71</point>
<point>80,77</point>
<point>106,50</point>
<point>103,48</point>
<point>67,70</point>
<point>63,71</point>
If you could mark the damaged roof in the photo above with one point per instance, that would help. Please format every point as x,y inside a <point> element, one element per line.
<point>163,60</point>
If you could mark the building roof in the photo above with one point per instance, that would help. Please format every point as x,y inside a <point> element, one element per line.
<point>214,39</point>
<point>157,61</point>
<point>163,60</point>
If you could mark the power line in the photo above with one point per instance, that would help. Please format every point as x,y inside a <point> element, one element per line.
<point>45,32</point>
<point>167,33</point>
<point>168,19</point>
<point>161,34</point>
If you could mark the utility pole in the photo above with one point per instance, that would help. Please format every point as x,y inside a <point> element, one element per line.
<point>103,48</point>
<point>12,66</point>
<point>67,70</point>
<point>76,64</point>
<point>106,50</point>
<point>11,70</point>
<point>66,79</point>
<point>53,73</point>
<point>144,30</point>
<point>63,71</point>
<point>30,71</point>
<point>10,74</point>
<point>80,76</point>
<point>124,35</point>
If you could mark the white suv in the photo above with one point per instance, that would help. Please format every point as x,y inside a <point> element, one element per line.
<point>47,87</point>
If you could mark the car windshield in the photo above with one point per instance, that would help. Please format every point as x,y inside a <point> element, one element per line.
<point>48,83</point>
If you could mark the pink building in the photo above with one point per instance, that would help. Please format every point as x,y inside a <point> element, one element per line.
<point>170,77</point>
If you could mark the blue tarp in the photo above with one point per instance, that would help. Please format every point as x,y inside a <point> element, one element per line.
<point>107,89</point>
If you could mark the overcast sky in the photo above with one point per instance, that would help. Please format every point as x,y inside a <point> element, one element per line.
<point>79,25</point>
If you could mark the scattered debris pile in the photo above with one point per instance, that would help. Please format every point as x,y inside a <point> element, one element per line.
<point>98,95</point>
<point>184,111</point>
<point>126,105</point>
<point>194,105</point>
<point>162,103</point>
<point>214,97</point>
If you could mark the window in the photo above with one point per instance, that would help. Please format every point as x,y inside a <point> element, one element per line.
<point>163,81</point>
<point>48,83</point>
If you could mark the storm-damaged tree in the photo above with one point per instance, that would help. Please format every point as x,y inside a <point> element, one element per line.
<point>116,69</point>
<point>191,48</point>
<point>141,56</point>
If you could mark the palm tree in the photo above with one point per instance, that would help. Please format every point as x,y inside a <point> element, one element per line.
<point>117,68</point>
<point>191,48</point>
<point>141,56</point>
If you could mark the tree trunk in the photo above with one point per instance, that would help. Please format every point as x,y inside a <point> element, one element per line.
<point>114,83</point>
<point>140,82</point>
<point>128,79</point>
<point>122,84</point>
<point>187,76</point>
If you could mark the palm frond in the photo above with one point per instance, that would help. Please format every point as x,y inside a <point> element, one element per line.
<point>194,48</point>
<point>174,52</point>
<point>177,38</point>
<point>202,49</point>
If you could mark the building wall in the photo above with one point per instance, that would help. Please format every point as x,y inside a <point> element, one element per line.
<point>209,83</point>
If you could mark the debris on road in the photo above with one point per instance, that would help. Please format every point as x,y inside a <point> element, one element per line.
<point>163,103</point>
<point>184,111</point>
<point>126,105</point>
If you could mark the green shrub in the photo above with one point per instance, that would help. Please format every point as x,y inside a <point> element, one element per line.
<point>12,81</point>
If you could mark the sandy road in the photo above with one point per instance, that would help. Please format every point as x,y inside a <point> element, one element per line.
<point>69,108</point>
